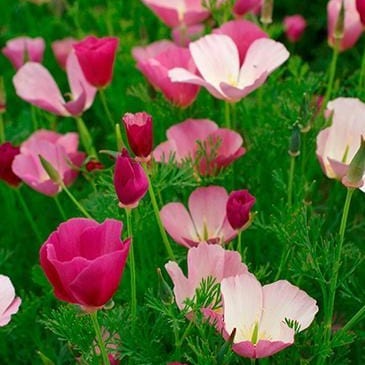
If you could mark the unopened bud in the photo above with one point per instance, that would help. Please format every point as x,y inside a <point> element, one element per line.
<point>355,173</point>
<point>340,23</point>
<point>266,12</point>
<point>51,171</point>
<point>294,148</point>
<point>164,290</point>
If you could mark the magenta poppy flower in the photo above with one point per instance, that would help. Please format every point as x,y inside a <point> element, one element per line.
<point>34,84</point>
<point>84,261</point>
<point>239,206</point>
<point>138,127</point>
<point>352,24</point>
<point>9,303</point>
<point>360,6</point>
<point>96,57</point>
<point>209,147</point>
<point>156,61</point>
<point>7,155</point>
<point>338,144</point>
<point>130,180</point>
<point>262,316</point>
<point>62,48</point>
<point>176,12</point>
<point>217,59</point>
<point>294,26</point>
<point>59,150</point>
<point>23,49</point>
<point>242,7</point>
<point>205,221</point>
<point>205,261</point>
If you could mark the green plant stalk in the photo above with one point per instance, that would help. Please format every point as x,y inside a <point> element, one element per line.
<point>290,181</point>
<point>239,242</point>
<point>99,337</point>
<point>106,108</point>
<point>332,74</point>
<point>132,267</point>
<point>362,75</point>
<point>2,129</point>
<point>59,206</point>
<point>34,117</point>
<point>28,214</point>
<point>355,319</point>
<point>75,201</point>
<point>85,137</point>
<point>158,219</point>
<point>328,314</point>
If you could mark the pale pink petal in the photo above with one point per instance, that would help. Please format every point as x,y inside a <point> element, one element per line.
<point>151,51</point>
<point>166,11</point>
<point>177,222</point>
<point>35,84</point>
<point>12,309</point>
<point>263,348</point>
<point>164,151</point>
<point>35,48</point>
<point>9,304</point>
<point>69,141</point>
<point>207,207</point>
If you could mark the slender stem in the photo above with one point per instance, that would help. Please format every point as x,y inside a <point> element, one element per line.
<point>85,137</point>
<point>362,75</point>
<point>334,278</point>
<point>253,361</point>
<point>118,137</point>
<point>239,243</point>
<point>106,108</point>
<point>331,74</point>
<point>28,214</point>
<point>132,267</point>
<point>227,114</point>
<point>158,219</point>
<point>290,181</point>
<point>99,337</point>
<point>355,319</point>
<point>186,332</point>
<point>2,129</point>
<point>59,206</point>
<point>74,200</point>
<point>283,260</point>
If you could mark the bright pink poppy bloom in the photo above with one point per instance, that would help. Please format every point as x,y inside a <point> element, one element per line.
<point>205,261</point>
<point>23,49</point>
<point>209,147</point>
<point>7,155</point>
<point>205,221</point>
<point>242,7</point>
<point>165,56</point>
<point>352,24</point>
<point>217,58</point>
<point>139,131</point>
<point>34,84</point>
<point>360,6</point>
<point>294,26</point>
<point>84,261</point>
<point>176,12</point>
<point>96,57</point>
<point>130,181</point>
<point>183,35</point>
<point>338,144</point>
<point>262,316</point>
<point>62,48</point>
<point>9,303</point>
<point>239,205</point>
<point>59,150</point>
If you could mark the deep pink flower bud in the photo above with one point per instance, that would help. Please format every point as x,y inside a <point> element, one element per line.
<point>130,181</point>
<point>294,27</point>
<point>94,165</point>
<point>7,155</point>
<point>139,133</point>
<point>96,57</point>
<point>84,261</point>
<point>360,6</point>
<point>239,204</point>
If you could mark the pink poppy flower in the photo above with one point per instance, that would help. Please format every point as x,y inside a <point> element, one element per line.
<point>156,61</point>
<point>62,48</point>
<point>9,303</point>
<point>7,155</point>
<point>34,84</point>
<point>209,147</point>
<point>183,35</point>
<point>242,7</point>
<point>294,27</point>
<point>96,57</point>
<point>263,316</point>
<point>59,150</point>
<point>23,49</point>
<point>360,6</point>
<point>205,221</point>
<point>205,261</point>
<point>338,144</point>
<point>352,25</point>
<point>176,12</point>
<point>217,58</point>
<point>84,261</point>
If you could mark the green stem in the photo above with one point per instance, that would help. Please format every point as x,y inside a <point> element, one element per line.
<point>74,200</point>
<point>331,74</point>
<point>334,278</point>
<point>158,219</point>
<point>227,114</point>
<point>28,214</point>
<point>132,267</point>
<point>85,137</point>
<point>362,75</point>
<point>34,117</point>
<point>186,332</point>
<point>283,260</point>
<point>2,129</point>
<point>239,243</point>
<point>99,337</point>
<point>355,319</point>
<point>106,108</point>
<point>59,206</point>
<point>290,181</point>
